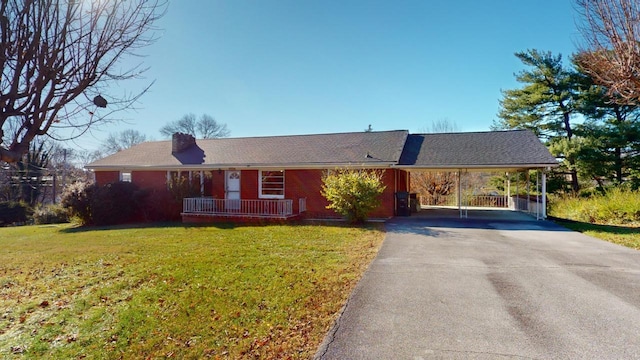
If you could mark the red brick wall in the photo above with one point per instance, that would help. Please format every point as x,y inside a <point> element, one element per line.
<point>105,177</point>
<point>156,180</point>
<point>249,184</point>
<point>298,184</point>
<point>217,184</point>
<point>308,183</point>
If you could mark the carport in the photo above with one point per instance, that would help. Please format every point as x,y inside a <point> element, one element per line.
<point>510,152</point>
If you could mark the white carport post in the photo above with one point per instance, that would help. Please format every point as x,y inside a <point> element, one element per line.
<point>466,201</point>
<point>517,204</point>
<point>537,194</point>
<point>465,213</point>
<point>460,192</point>
<point>528,178</point>
<point>508,195</point>
<point>544,194</point>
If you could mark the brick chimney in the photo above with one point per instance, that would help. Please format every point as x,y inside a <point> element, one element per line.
<point>181,142</point>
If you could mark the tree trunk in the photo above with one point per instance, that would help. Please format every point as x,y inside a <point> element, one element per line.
<point>618,161</point>
<point>575,186</point>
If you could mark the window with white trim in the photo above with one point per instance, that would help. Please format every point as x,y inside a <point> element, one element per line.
<point>271,184</point>
<point>125,176</point>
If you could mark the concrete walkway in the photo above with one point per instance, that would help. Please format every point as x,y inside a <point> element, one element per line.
<point>499,286</point>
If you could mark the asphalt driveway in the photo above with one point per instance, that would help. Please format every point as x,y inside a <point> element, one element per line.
<point>491,288</point>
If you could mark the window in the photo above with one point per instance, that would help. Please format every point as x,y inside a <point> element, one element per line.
<point>272,184</point>
<point>125,176</point>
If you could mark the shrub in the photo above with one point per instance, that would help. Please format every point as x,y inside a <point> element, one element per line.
<point>114,203</point>
<point>161,206</point>
<point>51,214</point>
<point>76,198</point>
<point>615,206</point>
<point>117,203</point>
<point>13,212</point>
<point>353,193</point>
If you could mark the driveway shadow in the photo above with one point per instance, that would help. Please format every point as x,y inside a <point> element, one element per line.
<point>432,225</point>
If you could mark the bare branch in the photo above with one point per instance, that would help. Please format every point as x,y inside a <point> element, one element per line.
<point>57,55</point>
<point>611,51</point>
<point>204,128</point>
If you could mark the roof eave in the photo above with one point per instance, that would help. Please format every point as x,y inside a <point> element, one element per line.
<point>479,167</point>
<point>365,165</point>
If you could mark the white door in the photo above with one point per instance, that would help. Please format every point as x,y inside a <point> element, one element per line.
<point>232,193</point>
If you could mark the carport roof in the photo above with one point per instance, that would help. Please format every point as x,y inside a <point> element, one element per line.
<point>514,149</point>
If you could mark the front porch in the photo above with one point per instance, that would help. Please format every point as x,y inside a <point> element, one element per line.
<point>206,208</point>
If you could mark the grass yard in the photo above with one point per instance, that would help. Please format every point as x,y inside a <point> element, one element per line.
<point>613,216</point>
<point>175,291</point>
<point>623,235</point>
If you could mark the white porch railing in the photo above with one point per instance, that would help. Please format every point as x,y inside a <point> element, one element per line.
<point>529,204</point>
<point>227,207</point>
<point>493,201</point>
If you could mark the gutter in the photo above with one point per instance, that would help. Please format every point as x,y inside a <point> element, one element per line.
<point>322,166</point>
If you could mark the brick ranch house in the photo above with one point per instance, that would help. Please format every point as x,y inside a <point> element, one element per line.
<point>281,176</point>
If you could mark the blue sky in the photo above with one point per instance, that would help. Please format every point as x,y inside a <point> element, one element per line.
<point>298,67</point>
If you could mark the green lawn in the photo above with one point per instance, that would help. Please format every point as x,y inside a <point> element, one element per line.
<point>176,291</point>
<point>628,236</point>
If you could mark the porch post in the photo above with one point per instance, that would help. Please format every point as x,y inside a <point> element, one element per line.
<point>544,195</point>
<point>201,183</point>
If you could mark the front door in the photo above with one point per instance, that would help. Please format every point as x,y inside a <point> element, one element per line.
<point>232,193</point>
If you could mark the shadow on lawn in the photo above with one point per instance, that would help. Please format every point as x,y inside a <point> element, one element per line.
<point>220,225</point>
<point>156,225</point>
<point>585,226</point>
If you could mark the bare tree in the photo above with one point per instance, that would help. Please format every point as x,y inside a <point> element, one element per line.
<point>435,187</point>
<point>122,140</point>
<point>610,53</point>
<point>204,128</point>
<point>443,125</point>
<point>58,58</point>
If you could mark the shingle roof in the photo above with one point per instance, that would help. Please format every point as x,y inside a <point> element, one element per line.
<point>383,147</point>
<point>493,149</point>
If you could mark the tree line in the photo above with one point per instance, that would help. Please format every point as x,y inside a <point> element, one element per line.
<point>592,130</point>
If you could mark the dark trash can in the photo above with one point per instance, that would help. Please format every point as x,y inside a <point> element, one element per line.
<point>402,204</point>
